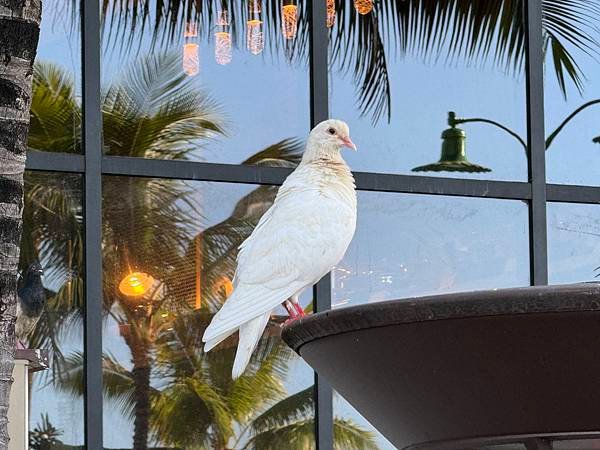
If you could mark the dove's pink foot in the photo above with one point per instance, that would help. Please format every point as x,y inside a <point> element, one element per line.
<point>299,310</point>
<point>292,310</point>
<point>20,345</point>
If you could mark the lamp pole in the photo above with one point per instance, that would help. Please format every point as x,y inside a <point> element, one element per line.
<point>568,119</point>
<point>453,121</point>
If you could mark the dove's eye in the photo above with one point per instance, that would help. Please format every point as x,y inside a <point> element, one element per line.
<point>331,131</point>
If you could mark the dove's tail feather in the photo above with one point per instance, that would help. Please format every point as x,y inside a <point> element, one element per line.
<point>209,345</point>
<point>250,333</point>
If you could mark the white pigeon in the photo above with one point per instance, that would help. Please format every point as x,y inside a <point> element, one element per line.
<point>297,241</point>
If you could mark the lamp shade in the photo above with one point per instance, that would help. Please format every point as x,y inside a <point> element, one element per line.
<point>454,155</point>
<point>136,284</point>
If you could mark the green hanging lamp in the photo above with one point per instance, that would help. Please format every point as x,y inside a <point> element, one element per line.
<point>454,157</point>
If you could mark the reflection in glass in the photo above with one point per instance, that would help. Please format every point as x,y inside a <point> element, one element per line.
<point>397,71</point>
<point>572,103</point>
<point>573,242</point>
<point>412,245</point>
<point>342,410</point>
<point>233,76</point>
<point>56,86</point>
<point>53,236</point>
<point>169,250</point>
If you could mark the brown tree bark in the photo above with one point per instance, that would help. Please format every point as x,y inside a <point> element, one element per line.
<point>19,32</point>
<point>141,380</point>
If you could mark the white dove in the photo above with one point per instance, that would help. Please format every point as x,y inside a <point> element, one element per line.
<point>297,241</point>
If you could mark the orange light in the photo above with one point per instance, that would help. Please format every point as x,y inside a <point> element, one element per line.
<point>136,284</point>
<point>223,284</point>
<point>191,60</point>
<point>254,36</point>
<point>222,48</point>
<point>330,13</point>
<point>289,21</point>
<point>363,6</point>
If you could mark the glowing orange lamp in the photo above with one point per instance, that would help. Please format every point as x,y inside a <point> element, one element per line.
<point>136,284</point>
<point>289,21</point>
<point>363,6</point>
<point>330,13</point>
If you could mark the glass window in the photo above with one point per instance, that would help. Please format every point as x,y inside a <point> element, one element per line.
<point>53,238</point>
<point>396,73</point>
<point>411,245</point>
<point>217,84</point>
<point>56,103</point>
<point>573,242</point>
<point>345,417</point>
<point>169,250</point>
<point>572,92</point>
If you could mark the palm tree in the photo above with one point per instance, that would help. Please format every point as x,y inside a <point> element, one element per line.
<point>20,24</point>
<point>473,30</point>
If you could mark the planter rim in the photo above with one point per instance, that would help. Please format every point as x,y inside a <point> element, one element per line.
<point>460,305</point>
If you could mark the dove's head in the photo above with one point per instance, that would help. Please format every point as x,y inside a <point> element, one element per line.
<point>327,139</point>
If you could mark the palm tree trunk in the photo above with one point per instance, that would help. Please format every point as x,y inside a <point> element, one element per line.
<point>141,380</point>
<point>19,32</point>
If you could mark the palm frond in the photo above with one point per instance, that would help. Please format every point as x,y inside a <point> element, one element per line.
<point>183,414</point>
<point>55,124</point>
<point>298,406</point>
<point>155,111</point>
<point>349,436</point>
<point>285,153</point>
<point>473,31</point>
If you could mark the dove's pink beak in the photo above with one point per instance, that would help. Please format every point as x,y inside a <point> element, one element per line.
<point>348,142</point>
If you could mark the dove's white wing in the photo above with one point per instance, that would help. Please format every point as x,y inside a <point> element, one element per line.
<point>296,242</point>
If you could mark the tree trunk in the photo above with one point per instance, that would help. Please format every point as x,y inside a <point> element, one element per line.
<point>141,380</point>
<point>19,32</point>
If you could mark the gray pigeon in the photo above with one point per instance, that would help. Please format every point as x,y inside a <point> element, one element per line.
<point>31,302</point>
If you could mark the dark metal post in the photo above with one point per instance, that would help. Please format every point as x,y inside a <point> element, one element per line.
<point>319,111</point>
<point>92,144</point>
<point>536,142</point>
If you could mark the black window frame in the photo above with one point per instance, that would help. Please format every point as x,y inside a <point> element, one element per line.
<point>92,165</point>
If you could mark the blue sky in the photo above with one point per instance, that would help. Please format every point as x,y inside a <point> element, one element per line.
<point>405,245</point>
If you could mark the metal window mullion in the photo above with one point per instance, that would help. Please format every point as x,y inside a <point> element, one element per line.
<point>536,142</point>
<point>319,111</point>
<point>92,145</point>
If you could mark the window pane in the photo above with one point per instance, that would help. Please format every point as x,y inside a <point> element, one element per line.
<point>180,240</point>
<point>56,103</point>
<point>573,238</point>
<point>411,245</point>
<point>398,70</point>
<point>189,84</point>
<point>345,416</point>
<point>573,156</point>
<point>53,236</point>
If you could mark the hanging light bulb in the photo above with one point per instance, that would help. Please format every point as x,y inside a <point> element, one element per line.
<point>191,57</point>
<point>136,284</point>
<point>254,36</point>
<point>223,48</point>
<point>289,20</point>
<point>363,6</point>
<point>330,13</point>
<point>223,40</point>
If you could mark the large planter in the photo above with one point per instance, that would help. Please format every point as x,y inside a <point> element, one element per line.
<point>465,370</point>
